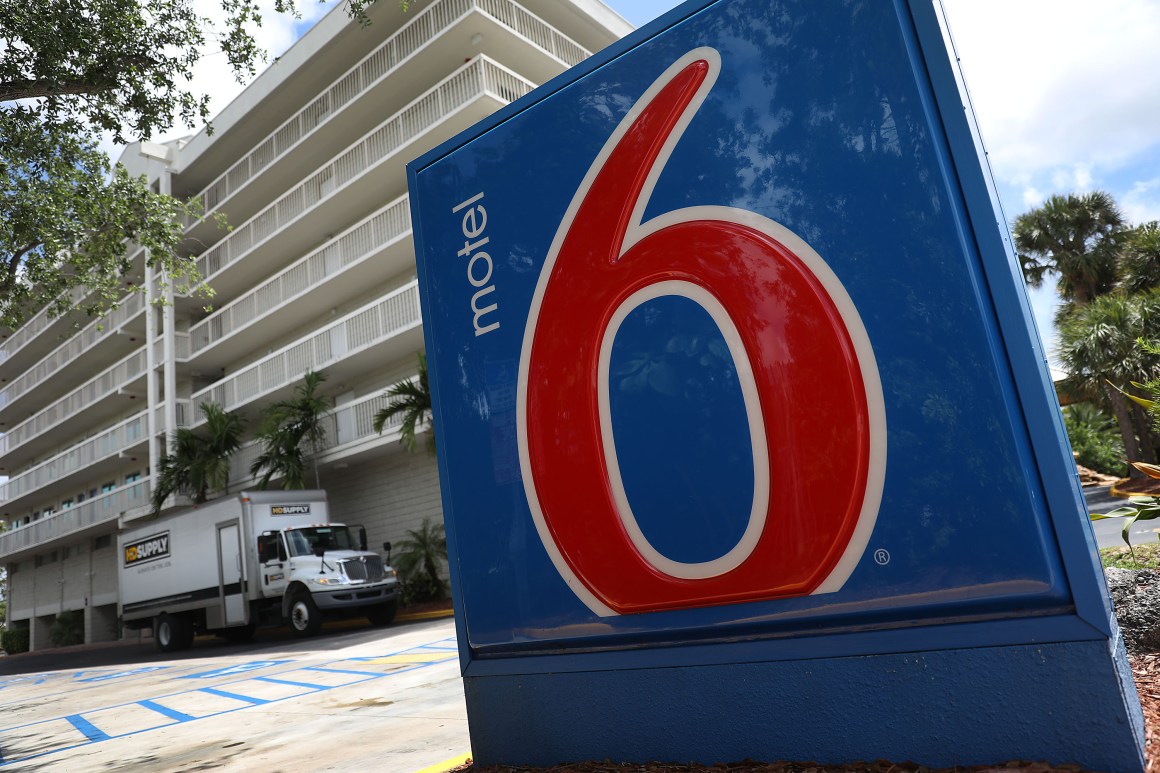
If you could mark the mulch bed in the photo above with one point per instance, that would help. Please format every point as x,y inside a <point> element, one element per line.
<point>1145,668</point>
<point>426,606</point>
<point>1139,486</point>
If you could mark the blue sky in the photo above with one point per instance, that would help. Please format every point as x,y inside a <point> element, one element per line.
<point>1066,94</point>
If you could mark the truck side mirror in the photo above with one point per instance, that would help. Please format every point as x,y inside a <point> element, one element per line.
<point>362,538</point>
<point>387,550</point>
<point>319,550</point>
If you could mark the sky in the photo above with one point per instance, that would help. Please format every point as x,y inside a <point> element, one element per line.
<point>1066,94</point>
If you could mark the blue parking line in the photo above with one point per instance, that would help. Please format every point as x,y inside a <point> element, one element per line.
<point>307,685</point>
<point>93,734</point>
<point>171,713</point>
<point>87,728</point>
<point>235,696</point>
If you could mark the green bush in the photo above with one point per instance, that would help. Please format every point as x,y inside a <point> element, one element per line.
<point>1095,439</point>
<point>14,640</point>
<point>68,628</point>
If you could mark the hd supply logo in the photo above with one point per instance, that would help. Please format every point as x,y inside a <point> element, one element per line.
<point>290,510</point>
<point>148,549</point>
<point>799,347</point>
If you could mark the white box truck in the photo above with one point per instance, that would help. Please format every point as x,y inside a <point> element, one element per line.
<point>260,557</point>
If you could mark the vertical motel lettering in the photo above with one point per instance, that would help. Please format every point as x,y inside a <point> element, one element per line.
<point>479,263</point>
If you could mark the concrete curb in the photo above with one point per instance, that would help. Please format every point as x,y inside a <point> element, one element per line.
<point>438,613</point>
<point>446,765</point>
<point>147,641</point>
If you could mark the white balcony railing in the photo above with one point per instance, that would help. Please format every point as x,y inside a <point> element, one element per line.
<point>109,443</point>
<point>364,239</point>
<point>101,509</point>
<point>180,347</point>
<point>34,327</point>
<point>184,411</point>
<point>346,424</point>
<point>473,79</point>
<point>89,393</point>
<point>377,66</point>
<point>93,334</point>
<point>361,329</point>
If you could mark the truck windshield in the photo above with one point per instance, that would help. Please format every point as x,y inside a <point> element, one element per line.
<point>302,542</point>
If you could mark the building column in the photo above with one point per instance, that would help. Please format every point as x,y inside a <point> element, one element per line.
<point>38,632</point>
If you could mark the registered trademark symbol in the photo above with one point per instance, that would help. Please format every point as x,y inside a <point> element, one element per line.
<point>882,557</point>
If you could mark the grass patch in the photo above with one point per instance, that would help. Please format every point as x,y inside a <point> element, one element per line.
<point>1139,557</point>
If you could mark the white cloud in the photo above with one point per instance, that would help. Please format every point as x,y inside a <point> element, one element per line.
<point>1061,85</point>
<point>1142,203</point>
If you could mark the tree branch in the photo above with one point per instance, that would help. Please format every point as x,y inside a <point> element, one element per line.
<point>8,278</point>
<point>95,83</point>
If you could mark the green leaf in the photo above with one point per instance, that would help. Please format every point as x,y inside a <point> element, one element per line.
<point>1125,533</point>
<point>1119,512</point>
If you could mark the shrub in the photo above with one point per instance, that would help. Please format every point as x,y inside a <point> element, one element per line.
<point>68,628</point>
<point>419,559</point>
<point>14,640</point>
<point>1095,439</point>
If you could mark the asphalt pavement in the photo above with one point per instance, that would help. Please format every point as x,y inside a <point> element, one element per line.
<point>385,699</point>
<point>1109,531</point>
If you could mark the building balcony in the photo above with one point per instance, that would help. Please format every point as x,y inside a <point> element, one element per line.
<point>364,173</point>
<point>379,332</point>
<point>101,398</point>
<point>391,75</point>
<point>349,432</point>
<point>86,461</point>
<point>44,381</point>
<point>99,514</point>
<point>181,348</point>
<point>365,255</point>
<point>183,410</point>
<point>35,338</point>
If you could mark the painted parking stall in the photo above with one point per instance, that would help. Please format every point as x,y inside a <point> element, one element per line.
<point>189,693</point>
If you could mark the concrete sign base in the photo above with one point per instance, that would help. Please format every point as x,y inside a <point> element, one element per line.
<point>1060,703</point>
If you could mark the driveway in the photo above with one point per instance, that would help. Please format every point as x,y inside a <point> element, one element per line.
<point>387,700</point>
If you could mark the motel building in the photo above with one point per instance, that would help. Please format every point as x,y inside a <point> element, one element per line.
<point>317,272</point>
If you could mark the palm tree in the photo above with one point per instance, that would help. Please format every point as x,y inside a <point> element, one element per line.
<point>281,457</point>
<point>418,561</point>
<point>1076,237</point>
<point>411,400</point>
<point>198,460</point>
<point>1140,263</point>
<point>1098,345</point>
<point>291,431</point>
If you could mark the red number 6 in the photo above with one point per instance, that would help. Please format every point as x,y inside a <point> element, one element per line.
<point>807,372</point>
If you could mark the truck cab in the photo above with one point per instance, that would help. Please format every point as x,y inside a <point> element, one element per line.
<point>323,569</point>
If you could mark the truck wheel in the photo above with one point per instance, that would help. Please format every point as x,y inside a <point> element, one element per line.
<point>172,633</point>
<point>304,617</point>
<point>383,614</point>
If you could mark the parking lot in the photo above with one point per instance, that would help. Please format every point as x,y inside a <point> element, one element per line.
<point>387,699</point>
